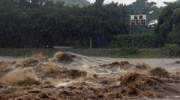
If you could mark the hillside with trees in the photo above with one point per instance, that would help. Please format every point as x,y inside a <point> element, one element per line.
<point>169,24</point>
<point>80,3</point>
<point>43,23</point>
<point>144,7</point>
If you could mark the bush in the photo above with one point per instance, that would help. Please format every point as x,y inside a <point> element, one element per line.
<point>131,51</point>
<point>171,49</point>
<point>136,40</point>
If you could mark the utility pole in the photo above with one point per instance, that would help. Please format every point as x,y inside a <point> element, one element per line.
<point>90,42</point>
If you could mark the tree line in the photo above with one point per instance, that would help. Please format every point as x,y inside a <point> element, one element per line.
<point>43,23</point>
<point>168,28</point>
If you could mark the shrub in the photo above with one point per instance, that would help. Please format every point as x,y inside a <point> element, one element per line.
<point>131,51</point>
<point>145,40</point>
<point>171,49</point>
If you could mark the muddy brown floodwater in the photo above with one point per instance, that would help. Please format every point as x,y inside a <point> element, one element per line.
<point>70,76</point>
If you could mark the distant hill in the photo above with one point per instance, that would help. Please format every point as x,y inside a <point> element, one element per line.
<point>74,2</point>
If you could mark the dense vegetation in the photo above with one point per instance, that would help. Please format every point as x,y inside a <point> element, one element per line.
<point>144,7</point>
<point>42,23</point>
<point>169,24</point>
<point>80,3</point>
<point>45,23</point>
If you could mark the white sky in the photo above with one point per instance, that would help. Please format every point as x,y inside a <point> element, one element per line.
<point>159,2</point>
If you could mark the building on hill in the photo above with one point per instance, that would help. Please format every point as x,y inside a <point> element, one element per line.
<point>138,23</point>
<point>138,20</point>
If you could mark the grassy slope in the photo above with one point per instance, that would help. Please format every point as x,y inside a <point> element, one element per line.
<point>144,53</point>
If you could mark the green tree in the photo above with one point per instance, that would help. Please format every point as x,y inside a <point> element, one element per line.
<point>99,3</point>
<point>42,23</point>
<point>144,7</point>
<point>168,26</point>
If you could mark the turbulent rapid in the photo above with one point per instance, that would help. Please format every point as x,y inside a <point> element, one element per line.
<point>76,77</point>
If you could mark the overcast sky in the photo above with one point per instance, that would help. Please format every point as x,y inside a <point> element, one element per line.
<point>159,2</point>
